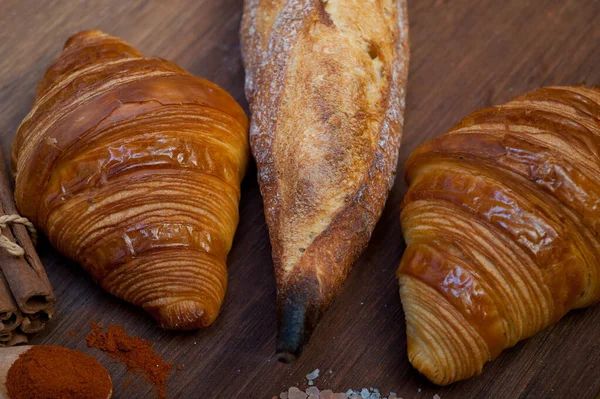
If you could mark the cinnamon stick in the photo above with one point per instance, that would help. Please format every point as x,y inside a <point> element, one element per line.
<point>36,322</point>
<point>10,315</point>
<point>25,275</point>
<point>15,338</point>
<point>5,337</point>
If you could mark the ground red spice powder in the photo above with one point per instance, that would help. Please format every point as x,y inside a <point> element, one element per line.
<point>136,353</point>
<point>49,372</point>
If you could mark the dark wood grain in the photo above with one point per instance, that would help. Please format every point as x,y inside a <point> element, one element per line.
<point>465,55</point>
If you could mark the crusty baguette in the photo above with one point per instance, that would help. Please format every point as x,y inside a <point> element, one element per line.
<point>326,82</point>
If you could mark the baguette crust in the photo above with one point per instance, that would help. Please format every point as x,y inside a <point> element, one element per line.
<point>326,82</point>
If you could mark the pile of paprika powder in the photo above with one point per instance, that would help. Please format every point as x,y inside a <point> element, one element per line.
<point>50,372</point>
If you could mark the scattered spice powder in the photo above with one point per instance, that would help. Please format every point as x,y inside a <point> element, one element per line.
<point>73,334</point>
<point>48,372</point>
<point>136,353</point>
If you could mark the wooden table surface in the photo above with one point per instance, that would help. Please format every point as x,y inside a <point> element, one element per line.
<point>465,55</point>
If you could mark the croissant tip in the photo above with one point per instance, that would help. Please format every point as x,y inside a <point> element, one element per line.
<point>81,35</point>
<point>181,315</point>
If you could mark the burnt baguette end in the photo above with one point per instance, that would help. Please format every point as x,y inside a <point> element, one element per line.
<point>293,331</point>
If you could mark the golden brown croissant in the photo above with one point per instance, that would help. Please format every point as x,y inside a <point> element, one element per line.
<point>326,84</point>
<point>502,226</point>
<point>132,167</point>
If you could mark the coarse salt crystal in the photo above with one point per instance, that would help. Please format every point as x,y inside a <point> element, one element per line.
<point>310,382</point>
<point>293,389</point>
<point>312,391</point>
<point>326,394</point>
<point>313,396</point>
<point>297,395</point>
<point>313,376</point>
<point>283,395</point>
<point>436,396</point>
<point>364,393</point>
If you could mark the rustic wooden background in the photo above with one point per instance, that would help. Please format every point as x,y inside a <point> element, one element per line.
<point>465,55</point>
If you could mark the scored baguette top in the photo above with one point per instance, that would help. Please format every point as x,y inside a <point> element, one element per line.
<point>132,167</point>
<point>326,82</point>
<point>502,226</point>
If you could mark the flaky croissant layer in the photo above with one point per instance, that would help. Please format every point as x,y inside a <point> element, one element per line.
<point>132,167</point>
<point>502,226</point>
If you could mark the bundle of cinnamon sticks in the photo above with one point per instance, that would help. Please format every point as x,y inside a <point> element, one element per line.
<point>26,297</point>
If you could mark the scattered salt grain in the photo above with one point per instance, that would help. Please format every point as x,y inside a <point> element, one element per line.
<point>330,371</point>
<point>297,394</point>
<point>313,392</point>
<point>326,394</point>
<point>314,375</point>
<point>436,396</point>
<point>310,382</point>
<point>419,390</point>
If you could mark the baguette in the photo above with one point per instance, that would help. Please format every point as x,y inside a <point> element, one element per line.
<point>326,83</point>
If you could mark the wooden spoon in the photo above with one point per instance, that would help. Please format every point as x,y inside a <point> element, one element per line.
<point>8,356</point>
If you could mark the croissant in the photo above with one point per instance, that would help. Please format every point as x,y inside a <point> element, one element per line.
<point>502,227</point>
<point>132,167</point>
<point>326,83</point>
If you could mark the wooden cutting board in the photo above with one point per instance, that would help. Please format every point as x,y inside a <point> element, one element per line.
<point>465,55</point>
